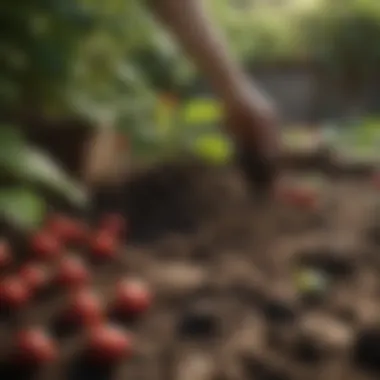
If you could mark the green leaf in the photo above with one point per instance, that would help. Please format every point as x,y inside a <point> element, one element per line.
<point>11,139</point>
<point>22,207</point>
<point>12,151</point>
<point>213,148</point>
<point>199,111</point>
<point>41,169</point>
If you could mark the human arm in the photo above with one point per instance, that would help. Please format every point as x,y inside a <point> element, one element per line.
<point>250,118</point>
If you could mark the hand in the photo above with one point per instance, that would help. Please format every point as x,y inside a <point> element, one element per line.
<point>251,121</point>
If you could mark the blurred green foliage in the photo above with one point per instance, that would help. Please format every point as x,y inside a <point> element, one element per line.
<point>344,36</point>
<point>73,57</point>
<point>261,32</point>
<point>107,61</point>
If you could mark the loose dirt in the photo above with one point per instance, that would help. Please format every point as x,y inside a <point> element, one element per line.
<point>244,290</point>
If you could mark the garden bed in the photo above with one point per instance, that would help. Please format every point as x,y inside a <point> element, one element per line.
<point>241,290</point>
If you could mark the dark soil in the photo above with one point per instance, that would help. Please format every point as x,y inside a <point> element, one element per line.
<point>233,281</point>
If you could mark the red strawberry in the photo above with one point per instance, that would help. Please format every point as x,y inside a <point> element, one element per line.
<point>33,345</point>
<point>104,245</point>
<point>114,224</point>
<point>300,198</point>
<point>14,293</point>
<point>85,308</point>
<point>67,229</point>
<point>45,246</point>
<point>5,254</point>
<point>306,200</point>
<point>34,275</point>
<point>132,296</point>
<point>72,272</point>
<point>109,343</point>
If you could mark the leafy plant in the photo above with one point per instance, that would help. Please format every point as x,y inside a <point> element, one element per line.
<point>107,61</point>
<point>25,175</point>
<point>345,42</point>
<point>66,57</point>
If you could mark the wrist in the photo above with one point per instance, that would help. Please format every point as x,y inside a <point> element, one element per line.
<point>232,88</point>
<point>240,91</point>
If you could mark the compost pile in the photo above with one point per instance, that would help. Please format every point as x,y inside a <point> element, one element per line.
<point>211,285</point>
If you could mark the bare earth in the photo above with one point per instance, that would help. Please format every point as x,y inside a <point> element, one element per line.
<point>242,291</point>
